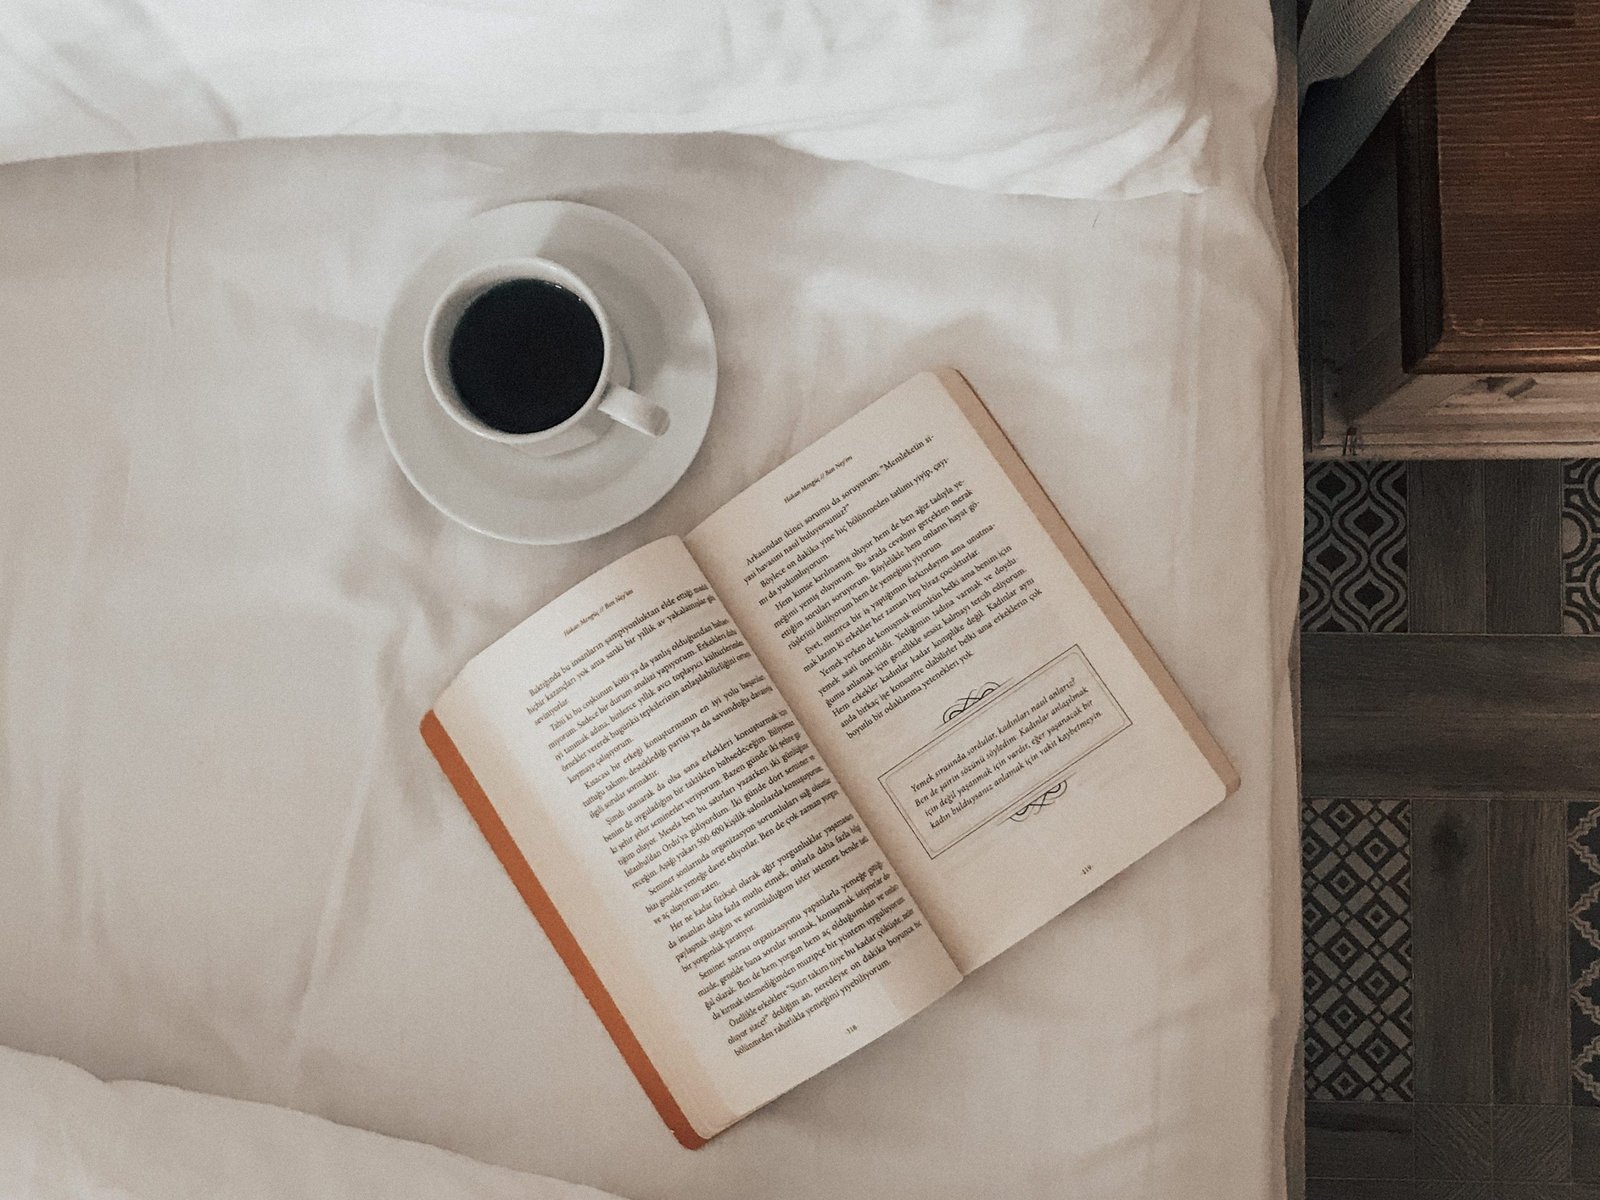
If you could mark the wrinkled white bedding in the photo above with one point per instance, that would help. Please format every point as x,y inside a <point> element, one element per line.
<point>65,1135</point>
<point>226,861</point>
<point>1085,98</point>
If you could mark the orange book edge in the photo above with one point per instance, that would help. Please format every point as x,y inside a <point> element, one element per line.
<point>544,910</point>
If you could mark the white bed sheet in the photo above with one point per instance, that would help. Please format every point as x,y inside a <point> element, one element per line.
<point>226,861</point>
<point>65,1135</point>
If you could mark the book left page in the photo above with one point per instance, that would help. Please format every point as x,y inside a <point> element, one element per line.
<point>711,874</point>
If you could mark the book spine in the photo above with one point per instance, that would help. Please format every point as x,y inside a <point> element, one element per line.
<point>566,945</point>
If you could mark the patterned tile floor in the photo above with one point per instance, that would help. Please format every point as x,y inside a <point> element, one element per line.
<point>1444,1054</point>
<point>1354,579</point>
<point>1356,904</point>
<point>1357,533</point>
<point>1583,949</point>
<point>1580,546</point>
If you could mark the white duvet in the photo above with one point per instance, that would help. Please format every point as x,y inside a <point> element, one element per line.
<point>1069,98</point>
<point>226,860</point>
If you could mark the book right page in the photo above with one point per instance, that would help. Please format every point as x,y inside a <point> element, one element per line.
<point>1001,725</point>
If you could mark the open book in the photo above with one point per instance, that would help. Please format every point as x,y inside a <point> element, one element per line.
<point>774,787</point>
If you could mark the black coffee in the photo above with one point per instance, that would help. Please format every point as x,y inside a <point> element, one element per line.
<point>525,355</point>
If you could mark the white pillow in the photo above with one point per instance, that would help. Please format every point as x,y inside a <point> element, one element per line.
<point>1087,98</point>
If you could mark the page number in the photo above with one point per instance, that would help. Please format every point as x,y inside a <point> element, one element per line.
<point>851,1028</point>
<point>1086,869</point>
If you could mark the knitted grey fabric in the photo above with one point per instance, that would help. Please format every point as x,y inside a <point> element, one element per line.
<point>1358,54</point>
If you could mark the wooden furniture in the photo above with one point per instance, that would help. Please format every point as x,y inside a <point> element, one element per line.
<point>1451,274</point>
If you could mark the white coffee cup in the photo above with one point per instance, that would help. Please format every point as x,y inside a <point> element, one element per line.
<point>608,404</point>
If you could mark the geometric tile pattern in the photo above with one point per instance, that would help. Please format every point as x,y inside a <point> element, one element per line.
<point>1380,1128</point>
<point>1583,949</point>
<point>1356,913</point>
<point>1580,546</point>
<point>1353,578</point>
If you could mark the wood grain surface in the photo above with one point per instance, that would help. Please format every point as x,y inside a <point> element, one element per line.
<point>1450,968</point>
<point>1515,94</point>
<point>1528,930</point>
<point>1445,715</point>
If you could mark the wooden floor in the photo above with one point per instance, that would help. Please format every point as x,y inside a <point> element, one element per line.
<point>1451,830</point>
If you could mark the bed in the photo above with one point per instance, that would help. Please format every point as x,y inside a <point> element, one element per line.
<point>228,868</point>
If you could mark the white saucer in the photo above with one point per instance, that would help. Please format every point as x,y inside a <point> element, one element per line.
<point>500,490</point>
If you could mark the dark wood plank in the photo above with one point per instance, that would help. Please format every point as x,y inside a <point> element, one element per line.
<point>1450,716</point>
<point>1352,307</point>
<point>1522,543</point>
<point>1453,1189</point>
<point>1528,952</point>
<point>1420,245</point>
<point>1552,14</point>
<point>1362,1189</point>
<point>1522,1189</point>
<point>1312,301</point>
<point>1533,1142</point>
<point>1454,1140</point>
<point>1445,547</point>
<point>1586,1144</point>
<point>1498,676</point>
<point>1359,1140</point>
<point>1528,757</point>
<point>1450,970</point>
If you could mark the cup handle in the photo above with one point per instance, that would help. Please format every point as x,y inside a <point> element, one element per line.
<point>633,410</point>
